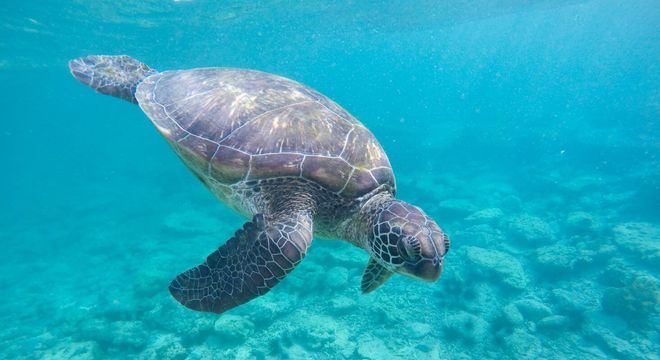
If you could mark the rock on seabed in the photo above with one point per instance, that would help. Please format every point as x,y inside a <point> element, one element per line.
<point>504,267</point>
<point>639,238</point>
<point>530,229</point>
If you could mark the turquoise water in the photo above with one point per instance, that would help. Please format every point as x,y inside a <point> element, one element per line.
<point>529,131</point>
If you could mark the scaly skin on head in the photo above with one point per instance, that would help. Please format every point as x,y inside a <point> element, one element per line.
<point>116,75</point>
<point>400,237</point>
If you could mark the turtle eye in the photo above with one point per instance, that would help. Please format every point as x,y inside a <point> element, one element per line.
<point>446,241</point>
<point>409,247</point>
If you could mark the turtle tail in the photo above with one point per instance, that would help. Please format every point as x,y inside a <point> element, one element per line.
<point>118,75</point>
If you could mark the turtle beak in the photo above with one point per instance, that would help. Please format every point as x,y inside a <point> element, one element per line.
<point>430,270</point>
<point>81,71</point>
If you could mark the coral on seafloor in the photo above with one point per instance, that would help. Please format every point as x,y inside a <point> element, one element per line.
<point>548,278</point>
<point>530,230</point>
<point>580,223</point>
<point>637,302</point>
<point>533,309</point>
<point>466,327</point>
<point>620,348</point>
<point>639,238</point>
<point>486,216</point>
<point>233,328</point>
<point>575,302</point>
<point>522,344</point>
<point>557,258</point>
<point>500,266</point>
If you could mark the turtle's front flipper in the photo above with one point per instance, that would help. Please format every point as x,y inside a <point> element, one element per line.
<point>112,75</point>
<point>374,276</point>
<point>248,265</point>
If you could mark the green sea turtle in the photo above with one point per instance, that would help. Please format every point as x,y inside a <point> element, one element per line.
<point>284,156</point>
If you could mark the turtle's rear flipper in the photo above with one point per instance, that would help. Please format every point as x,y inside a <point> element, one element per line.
<point>248,265</point>
<point>112,75</point>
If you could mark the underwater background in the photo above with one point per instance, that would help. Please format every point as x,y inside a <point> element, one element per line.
<point>528,129</point>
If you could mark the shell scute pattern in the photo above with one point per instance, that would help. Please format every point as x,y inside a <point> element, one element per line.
<point>275,165</point>
<point>235,125</point>
<point>228,165</point>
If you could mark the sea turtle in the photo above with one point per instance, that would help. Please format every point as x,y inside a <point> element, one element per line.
<point>286,157</point>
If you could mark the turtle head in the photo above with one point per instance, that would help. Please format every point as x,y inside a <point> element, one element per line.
<point>116,75</point>
<point>403,239</point>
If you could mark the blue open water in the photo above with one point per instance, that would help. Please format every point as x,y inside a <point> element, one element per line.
<point>528,130</point>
